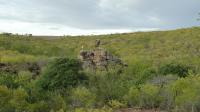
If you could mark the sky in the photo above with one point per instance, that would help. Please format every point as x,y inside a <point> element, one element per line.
<point>86,17</point>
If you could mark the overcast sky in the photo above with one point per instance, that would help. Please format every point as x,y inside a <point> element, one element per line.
<point>78,17</point>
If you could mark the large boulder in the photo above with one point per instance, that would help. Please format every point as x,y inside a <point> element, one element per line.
<point>98,58</point>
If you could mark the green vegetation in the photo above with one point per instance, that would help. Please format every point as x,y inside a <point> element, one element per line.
<point>60,74</point>
<point>163,72</point>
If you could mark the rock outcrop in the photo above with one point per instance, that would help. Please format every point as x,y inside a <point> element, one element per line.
<point>7,68</point>
<point>33,67</point>
<point>98,58</point>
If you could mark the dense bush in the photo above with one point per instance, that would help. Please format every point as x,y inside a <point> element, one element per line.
<point>13,100</point>
<point>5,95</point>
<point>150,97</point>
<point>60,74</point>
<point>82,97</point>
<point>8,80</point>
<point>23,78</point>
<point>174,68</point>
<point>186,93</point>
<point>145,96</point>
<point>106,86</point>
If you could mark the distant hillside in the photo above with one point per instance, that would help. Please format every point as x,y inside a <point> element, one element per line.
<point>156,46</point>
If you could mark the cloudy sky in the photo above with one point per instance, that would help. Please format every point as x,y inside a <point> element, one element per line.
<point>82,17</point>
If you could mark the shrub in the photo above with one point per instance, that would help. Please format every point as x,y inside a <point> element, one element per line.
<point>5,95</point>
<point>186,94</point>
<point>161,80</point>
<point>82,97</point>
<point>146,96</point>
<point>174,68</point>
<point>40,106</point>
<point>61,73</point>
<point>139,71</point>
<point>56,103</point>
<point>13,100</point>
<point>150,96</point>
<point>18,101</point>
<point>22,47</point>
<point>106,86</point>
<point>133,97</point>
<point>8,56</point>
<point>145,75</point>
<point>24,78</point>
<point>8,80</point>
<point>116,104</point>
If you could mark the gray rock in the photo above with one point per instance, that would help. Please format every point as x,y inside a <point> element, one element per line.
<point>98,58</point>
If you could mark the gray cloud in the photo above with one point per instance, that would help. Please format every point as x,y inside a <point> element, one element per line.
<point>104,14</point>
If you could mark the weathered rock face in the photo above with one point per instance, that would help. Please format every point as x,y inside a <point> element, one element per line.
<point>34,68</point>
<point>98,58</point>
<point>7,68</point>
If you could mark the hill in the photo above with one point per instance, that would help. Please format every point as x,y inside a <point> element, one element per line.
<point>158,47</point>
<point>158,62</point>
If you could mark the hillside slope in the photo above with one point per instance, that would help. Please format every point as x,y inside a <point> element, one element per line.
<point>163,73</point>
<point>157,47</point>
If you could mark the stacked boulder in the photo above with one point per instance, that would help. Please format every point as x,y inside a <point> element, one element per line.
<point>98,58</point>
